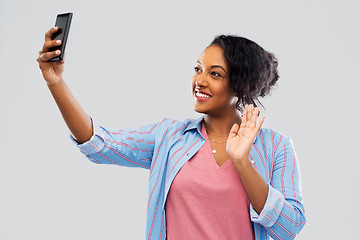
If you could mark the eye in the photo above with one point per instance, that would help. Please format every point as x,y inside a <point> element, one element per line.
<point>197,69</point>
<point>215,74</point>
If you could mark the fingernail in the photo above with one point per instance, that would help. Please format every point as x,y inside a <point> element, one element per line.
<point>54,28</point>
<point>58,41</point>
<point>57,52</point>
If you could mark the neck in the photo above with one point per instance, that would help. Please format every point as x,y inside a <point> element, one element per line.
<point>221,125</point>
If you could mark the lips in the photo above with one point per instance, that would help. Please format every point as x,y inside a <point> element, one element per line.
<point>201,95</point>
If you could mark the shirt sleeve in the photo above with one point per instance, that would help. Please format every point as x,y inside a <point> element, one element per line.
<point>123,147</point>
<point>283,215</point>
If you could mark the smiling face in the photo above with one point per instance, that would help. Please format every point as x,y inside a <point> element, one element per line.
<point>211,90</point>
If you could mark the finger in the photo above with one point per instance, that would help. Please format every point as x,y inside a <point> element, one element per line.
<point>251,109</point>
<point>244,118</point>
<point>50,33</point>
<point>234,130</point>
<point>47,56</point>
<point>261,121</point>
<point>51,43</point>
<point>249,115</point>
<point>254,117</point>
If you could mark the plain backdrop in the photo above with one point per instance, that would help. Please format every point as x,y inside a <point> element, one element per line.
<point>129,63</point>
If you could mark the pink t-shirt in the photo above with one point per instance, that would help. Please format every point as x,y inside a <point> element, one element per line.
<point>207,201</point>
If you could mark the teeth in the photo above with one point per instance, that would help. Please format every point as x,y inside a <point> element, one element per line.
<point>202,95</point>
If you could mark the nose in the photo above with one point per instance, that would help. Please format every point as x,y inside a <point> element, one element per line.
<point>201,81</point>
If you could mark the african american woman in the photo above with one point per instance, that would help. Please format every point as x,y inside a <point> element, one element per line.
<point>221,176</point>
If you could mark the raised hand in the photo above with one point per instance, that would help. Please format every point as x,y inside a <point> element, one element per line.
<point>241,138</point>
<point>52,71</point>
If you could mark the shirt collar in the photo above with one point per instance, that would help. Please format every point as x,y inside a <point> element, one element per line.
<point>196,124</point>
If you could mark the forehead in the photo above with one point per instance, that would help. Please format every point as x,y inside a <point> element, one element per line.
<point>212,55</point>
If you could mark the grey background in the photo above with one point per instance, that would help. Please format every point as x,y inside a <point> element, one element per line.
<point>129,63</point>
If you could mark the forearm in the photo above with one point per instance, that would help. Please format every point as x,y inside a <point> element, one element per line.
<point>254,185</point>
<point>78,122</point>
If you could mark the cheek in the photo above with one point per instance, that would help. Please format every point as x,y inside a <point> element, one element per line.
<point>221,89</point>
<point>225,92</point>
<point>193,80</point>
<point>231,92</point>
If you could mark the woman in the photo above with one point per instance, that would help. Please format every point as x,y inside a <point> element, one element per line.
<point>221,176</point>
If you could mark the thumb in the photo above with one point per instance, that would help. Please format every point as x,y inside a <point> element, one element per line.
<point>234,130</point>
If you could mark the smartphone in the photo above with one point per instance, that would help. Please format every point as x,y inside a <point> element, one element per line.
<point>63,22</point>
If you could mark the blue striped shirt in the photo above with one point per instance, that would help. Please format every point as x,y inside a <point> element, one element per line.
<point>165,147</point>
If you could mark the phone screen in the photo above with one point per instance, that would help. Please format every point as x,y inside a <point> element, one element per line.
<point>63,23</point>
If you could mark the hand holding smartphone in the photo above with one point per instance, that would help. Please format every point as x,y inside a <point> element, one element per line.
<point>63,22</point>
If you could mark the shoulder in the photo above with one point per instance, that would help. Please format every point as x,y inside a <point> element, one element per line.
<point>268,136</point>
<point>166,122</point>
<point>170,125</point>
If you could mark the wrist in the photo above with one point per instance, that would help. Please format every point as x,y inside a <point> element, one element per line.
<point>242,163</point>
<point>55,83</point>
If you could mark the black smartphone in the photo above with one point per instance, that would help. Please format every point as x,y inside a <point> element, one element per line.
<point>63,22</point>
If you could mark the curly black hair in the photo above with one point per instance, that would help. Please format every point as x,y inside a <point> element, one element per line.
<point>252,70</point>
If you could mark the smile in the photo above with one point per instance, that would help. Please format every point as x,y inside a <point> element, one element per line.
<point>201,96</point>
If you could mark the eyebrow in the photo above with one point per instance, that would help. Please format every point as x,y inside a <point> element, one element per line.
<point>213,66</point>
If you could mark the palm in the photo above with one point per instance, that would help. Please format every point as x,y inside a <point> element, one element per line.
<point>242,137</point>
<point>53,70</point>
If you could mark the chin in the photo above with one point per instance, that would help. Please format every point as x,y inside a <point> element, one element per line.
<point>198,110</point>
<point>201,110</point>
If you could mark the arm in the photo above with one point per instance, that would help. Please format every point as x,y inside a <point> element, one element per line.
<point>100,145</point>
<point>238,149</point>
<point>78,122</point>
<point>278,206</point>
<point>122,147</point>
<point>255,186</point>
<point>283,214</point>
